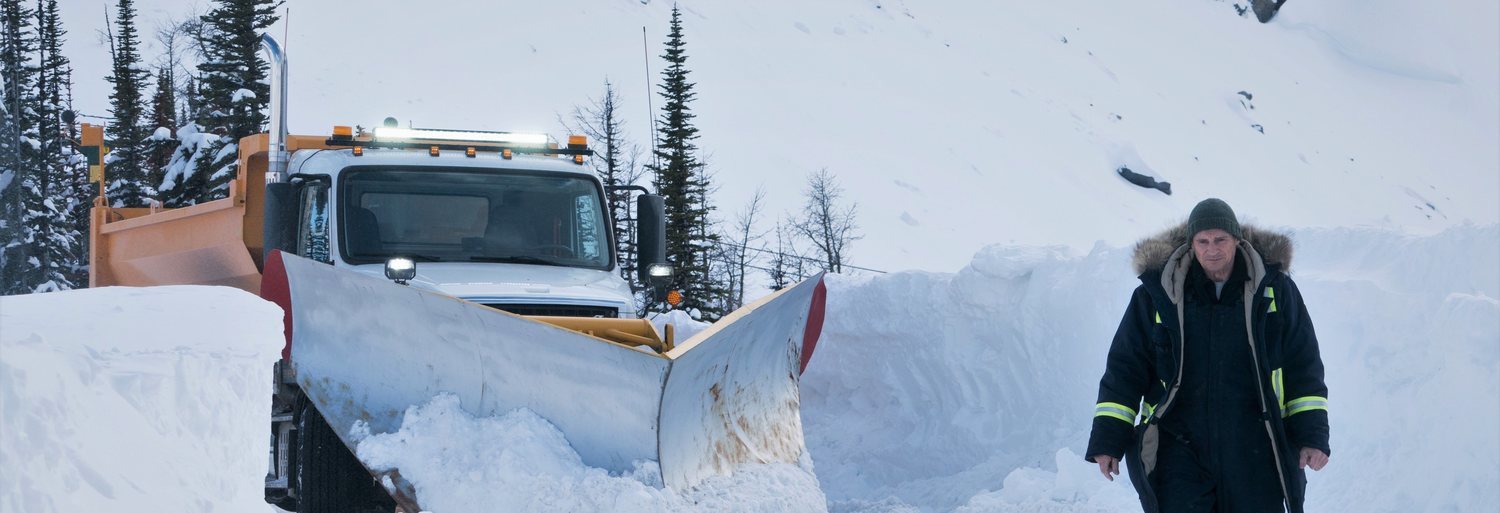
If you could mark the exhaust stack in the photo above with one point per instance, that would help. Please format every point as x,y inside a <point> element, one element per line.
<point>276,161</point>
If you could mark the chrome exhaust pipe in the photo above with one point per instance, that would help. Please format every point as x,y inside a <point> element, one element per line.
<point>277,160</point>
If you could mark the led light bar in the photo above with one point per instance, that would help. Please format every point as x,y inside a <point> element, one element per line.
<point>393,134</point>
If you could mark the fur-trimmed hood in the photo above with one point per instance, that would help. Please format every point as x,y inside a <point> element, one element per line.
<point>1153,252</point>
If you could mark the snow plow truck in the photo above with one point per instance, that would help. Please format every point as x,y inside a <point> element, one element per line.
<point>411,263</point>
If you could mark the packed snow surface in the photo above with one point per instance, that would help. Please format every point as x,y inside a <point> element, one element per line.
<point>135,399</point>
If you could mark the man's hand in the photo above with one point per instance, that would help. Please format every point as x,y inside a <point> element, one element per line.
<point>1110,467</point>
<point>1310,457</point>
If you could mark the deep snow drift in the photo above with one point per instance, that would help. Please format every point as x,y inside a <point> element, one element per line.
<point>928,389</point>
<point>135,399</point>
<point>967,392</point>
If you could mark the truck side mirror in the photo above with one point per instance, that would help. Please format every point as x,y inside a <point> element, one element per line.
<point>651,231</point>
<point>281,216</point>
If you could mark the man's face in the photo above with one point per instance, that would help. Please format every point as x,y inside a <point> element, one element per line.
<point>1215,251</point>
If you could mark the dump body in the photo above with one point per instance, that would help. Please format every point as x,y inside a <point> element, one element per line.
<point>213,243</point>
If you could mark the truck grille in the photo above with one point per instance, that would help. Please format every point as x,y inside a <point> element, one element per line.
<point>557,310</point>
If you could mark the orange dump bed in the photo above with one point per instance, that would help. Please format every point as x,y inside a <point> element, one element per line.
<point>213,243</point>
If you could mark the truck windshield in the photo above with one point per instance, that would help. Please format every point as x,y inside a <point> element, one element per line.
<point>472,215</point>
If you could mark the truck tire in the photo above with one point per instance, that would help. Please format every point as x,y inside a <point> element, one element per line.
<point>330,479</point>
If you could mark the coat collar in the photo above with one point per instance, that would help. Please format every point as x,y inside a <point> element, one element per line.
<point>1170,254</point>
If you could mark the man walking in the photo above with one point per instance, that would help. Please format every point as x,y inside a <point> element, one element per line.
<point>1218,352</point>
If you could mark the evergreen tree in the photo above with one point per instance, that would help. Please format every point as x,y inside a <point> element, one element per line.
<point>233,86</point>
<point>180,185</point>
<point>681,179</point>
<point>18,146</point>
<point>82,190</point>
<point>162,128</point>
<point>48,193</point>
<point>191,102</point>
<point>125,167</point>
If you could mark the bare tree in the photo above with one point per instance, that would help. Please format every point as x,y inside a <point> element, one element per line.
<point>825,223</point>
<point>742,249</point>
<point>787,265</point>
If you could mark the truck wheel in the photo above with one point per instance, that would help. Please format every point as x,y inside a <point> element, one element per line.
<point>330,478</point>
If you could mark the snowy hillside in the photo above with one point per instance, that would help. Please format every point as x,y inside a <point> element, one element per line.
<point>957,124</point>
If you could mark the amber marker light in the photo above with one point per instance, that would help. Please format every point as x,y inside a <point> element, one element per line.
<point>359,151</point>
<point>674,298</point>
<point>505,154</point>
<point>469,152</point>
<point>433,151</point>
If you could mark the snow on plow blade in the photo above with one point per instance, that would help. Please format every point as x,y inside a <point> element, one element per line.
<point>366,349</point>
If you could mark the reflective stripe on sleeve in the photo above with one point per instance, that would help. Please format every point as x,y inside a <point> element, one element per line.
<point>1277,387</point>
<point>1115,410</point>
<point>1308,403</point>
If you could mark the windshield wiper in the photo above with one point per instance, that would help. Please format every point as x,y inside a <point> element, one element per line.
<point>517,259</point>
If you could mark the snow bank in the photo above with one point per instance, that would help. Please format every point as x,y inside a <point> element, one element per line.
<point>520,462</point>
<point>937,390</point>
<point>126,399</point>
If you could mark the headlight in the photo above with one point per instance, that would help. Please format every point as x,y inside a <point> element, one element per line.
<point>400,269</point>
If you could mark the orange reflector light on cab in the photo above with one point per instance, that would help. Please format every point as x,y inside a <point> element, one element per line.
<point>433,151</point>
<point>359,151</point>
<point>469,152</point>
<point>505,154</point>
<point>578,159</point>
<point>674,298</point>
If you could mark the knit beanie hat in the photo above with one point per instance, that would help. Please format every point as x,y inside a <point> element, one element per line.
<point>1213,213</point>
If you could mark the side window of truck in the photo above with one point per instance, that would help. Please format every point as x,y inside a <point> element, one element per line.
<point>589,223</point>
<point>313,243</point>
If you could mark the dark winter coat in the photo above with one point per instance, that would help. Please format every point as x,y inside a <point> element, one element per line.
<point>1145,365</point>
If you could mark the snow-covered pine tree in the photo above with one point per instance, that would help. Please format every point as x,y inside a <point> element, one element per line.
<point>125,169</point>
<point>48,191</point>
<point>181,185</point>
<point>616,164</point>
<point>191,101</point>
<point>82,190</point>
<point>233,86</point>
<point>161,140</point>
<point>681,179</point>
<point>18,146</point>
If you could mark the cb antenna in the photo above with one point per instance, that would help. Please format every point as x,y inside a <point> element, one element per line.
<point>651,114</point>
